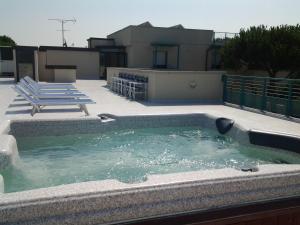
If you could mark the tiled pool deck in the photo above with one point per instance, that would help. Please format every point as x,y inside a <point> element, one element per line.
<point>13,107</point>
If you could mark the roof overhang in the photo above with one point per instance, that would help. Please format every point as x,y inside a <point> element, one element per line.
<point>59,48</point>
<point>103,39</point>
<point>23,47</point>
<point>158,44</point>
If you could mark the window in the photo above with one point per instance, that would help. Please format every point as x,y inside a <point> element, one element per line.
<point>6,53</point>
<point>160,59</point>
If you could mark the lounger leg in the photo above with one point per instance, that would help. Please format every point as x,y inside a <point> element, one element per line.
<point>84,108</point>
<point>34,110</point>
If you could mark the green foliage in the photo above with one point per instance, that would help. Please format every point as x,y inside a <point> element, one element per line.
<point>6,41</point>
<point>272,49</point>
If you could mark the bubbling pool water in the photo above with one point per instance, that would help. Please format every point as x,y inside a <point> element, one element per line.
<point>130,156</point>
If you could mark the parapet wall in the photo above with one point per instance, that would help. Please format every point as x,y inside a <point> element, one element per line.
<point>202,86</point>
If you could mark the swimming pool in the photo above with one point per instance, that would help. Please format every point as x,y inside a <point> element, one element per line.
<point>119,169</point>
<point>130,155</point>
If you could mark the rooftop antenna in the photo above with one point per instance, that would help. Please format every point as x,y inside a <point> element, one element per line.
<point>63,21</point>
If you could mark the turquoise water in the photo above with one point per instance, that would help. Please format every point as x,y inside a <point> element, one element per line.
<point>129,156</point>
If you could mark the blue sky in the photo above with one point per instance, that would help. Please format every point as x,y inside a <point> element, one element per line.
<point>26,21</point>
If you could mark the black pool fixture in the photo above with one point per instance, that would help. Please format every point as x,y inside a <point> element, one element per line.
<point>105,117</point>
<point>275,140</point>
<point>224,125</point>
<point>102,117</point>
<point>249,169</point>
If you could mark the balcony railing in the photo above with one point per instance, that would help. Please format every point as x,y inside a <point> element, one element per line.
<point>220,38</point>
<point>277,95</point>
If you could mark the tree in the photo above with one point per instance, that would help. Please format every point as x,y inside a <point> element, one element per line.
<point>271,49</point>
<point>6,41</point>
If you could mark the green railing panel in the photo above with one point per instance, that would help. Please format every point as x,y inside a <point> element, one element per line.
<point>295,112</point>
<point>252,100</point>
<point>234,97</point>
<point>278,95</point>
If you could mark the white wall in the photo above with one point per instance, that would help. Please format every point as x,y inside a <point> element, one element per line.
<point>203,86</point>
<point>87,63</point>
<point>64,75</point>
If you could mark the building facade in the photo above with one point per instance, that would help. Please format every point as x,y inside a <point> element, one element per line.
<point>164,48</point>
<point>146,46</point>
<point>140,46</point>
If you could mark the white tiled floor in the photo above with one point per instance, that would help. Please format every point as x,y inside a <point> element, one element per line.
<point>12,107</point>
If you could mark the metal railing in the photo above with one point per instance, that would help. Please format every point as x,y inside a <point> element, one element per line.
<point>277,95</point>
<point>220,38</point>
<point>134,87</point>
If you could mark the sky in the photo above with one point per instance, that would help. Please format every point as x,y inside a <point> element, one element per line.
<point>26,21</point>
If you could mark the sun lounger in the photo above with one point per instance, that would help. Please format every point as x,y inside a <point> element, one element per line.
<point>40,86</point>
<point>38,103</point>
<point>36,88</point>
<point>52,93</point>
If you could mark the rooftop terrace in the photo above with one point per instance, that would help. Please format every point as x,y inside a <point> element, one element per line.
<point>111,200</point>
<point>14,107</point>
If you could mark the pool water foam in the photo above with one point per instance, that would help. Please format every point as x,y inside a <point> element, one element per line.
<point>129,156</point>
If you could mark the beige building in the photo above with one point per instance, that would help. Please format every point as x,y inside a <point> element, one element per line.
<point>141,46</point>
<point>146,46</point>
<point>164,47</point>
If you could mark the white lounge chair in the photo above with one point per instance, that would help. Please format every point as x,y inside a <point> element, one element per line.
<point>52,94</point>
<point>38,103</point>
<point>40,86</point>
<point>49,90</point>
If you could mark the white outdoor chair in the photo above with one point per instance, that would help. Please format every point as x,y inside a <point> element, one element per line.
<point>38,94</point>
<point>40,86</point>
<point>114,84</point>
<point>38,103</point>
<point>137,90</point>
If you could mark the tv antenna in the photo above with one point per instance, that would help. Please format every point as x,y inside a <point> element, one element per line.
<point>63,30</point>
